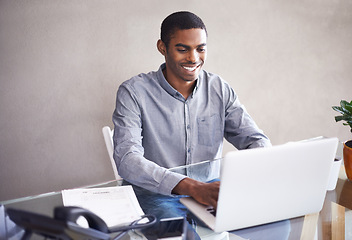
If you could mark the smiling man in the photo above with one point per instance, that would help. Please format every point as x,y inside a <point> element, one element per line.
<point>185,53</point>
<point>179,115</point>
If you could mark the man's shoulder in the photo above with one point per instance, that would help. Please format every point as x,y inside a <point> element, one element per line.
<point>142,77</point>
<point>142,80</point>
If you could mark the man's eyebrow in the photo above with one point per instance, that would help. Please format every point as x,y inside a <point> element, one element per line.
<point>188,47</point>
<point>182,45</point>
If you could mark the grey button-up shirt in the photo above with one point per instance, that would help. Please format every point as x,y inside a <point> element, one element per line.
<point>156,128</point>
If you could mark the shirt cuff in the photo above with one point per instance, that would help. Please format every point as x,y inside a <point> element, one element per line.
<point>259,144</point>
<point>170,182</point>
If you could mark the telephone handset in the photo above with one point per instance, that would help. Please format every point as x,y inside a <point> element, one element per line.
<point>71,214</point>
<point>64,224</point>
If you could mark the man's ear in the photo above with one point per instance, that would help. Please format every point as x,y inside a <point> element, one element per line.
<point>161,47</point>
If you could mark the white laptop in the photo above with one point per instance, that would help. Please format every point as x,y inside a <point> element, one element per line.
<point>265,185</point>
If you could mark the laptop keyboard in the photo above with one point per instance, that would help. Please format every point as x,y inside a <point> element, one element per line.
<point>212,211</point>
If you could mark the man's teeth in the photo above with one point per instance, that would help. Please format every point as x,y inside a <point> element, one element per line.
<point>190,68</point>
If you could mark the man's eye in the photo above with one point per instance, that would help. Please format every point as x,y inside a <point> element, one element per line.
<point>181,50</point>
<point>201,50</point>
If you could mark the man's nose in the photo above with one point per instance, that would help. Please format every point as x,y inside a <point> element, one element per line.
<point>193,56</point>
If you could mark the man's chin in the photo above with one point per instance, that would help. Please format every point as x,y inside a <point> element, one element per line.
<point>192,77</point>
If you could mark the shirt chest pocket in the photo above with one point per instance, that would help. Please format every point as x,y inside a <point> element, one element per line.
<point>209,130</point>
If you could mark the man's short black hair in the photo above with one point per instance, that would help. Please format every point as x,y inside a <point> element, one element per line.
<point>179,21</point>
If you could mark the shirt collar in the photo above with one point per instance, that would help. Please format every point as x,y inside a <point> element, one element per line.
<point>168,88</point>
<point>196,87</point>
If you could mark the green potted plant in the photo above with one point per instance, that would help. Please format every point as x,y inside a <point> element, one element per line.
<point>345,109</point>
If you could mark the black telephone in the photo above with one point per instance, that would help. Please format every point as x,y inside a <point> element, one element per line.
<point>64,224</point>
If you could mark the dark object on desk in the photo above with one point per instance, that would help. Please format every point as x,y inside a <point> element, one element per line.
<point>51,227</point>
<point>169,228</point>
<point>172,228</point>
<point>71,214</point>
<point>63,225</point>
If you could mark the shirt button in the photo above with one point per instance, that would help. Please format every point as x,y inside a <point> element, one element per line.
<point>188,126</point>
<point>189,150</point>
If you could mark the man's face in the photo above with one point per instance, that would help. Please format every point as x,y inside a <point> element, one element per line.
<point>185,54</point>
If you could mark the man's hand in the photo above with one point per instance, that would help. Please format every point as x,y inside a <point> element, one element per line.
<point>205,193</point>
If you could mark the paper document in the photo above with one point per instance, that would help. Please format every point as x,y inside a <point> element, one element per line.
<point>115,205</point>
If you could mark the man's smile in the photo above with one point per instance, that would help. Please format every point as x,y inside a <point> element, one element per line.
<point>191,68</point>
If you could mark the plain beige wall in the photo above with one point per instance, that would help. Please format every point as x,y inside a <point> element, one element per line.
<point>61,63</point>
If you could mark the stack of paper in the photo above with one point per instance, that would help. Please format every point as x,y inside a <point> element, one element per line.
<point>115,205</point>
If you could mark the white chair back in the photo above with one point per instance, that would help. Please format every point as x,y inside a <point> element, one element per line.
<point>108,133</point>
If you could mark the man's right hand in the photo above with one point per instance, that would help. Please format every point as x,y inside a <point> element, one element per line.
<point>204,193</point>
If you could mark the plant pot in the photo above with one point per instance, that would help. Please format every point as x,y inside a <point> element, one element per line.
<point>347,158</point>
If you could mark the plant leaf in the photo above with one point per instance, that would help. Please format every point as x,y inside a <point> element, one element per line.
<point>349,108</point>
<point>338,118</point>
<point>345,109</point>
<point>346,106</point>
<point>338,109</point>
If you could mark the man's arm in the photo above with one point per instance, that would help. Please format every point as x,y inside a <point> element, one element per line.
<point>240,129</point>
<point>128,150</point>
<point>205,193</point>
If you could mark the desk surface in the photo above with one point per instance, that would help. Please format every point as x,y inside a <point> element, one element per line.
<point>333,222</point>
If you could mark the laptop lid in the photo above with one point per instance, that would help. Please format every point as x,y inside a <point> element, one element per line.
<point>265,185</point>
<point>270,184</point>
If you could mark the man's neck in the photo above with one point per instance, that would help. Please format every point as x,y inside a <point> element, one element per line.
<point>183,87</point>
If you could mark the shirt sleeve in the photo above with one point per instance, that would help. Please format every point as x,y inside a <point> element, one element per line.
<point>128,147</point>
<point>240,129</point>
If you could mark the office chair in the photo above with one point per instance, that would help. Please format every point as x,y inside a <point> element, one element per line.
<point>108,133</point>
